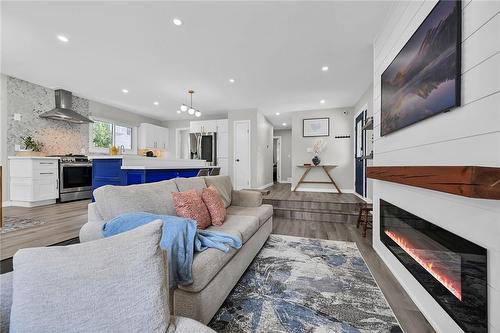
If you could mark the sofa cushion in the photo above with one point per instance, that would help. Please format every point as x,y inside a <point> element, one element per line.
<point>215,205</point>
<point>183,325</point>
<point>116,284</point>
<point>205,267</point>
<point>193,183</point>
<point>241,226</point>
<point>263,212</point>
<point>5,300</point>
<point>223,185</point>
<point>155,198</point>
<point>190,205</point>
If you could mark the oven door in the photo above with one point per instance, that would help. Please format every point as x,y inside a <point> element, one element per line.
<point>75,177</point>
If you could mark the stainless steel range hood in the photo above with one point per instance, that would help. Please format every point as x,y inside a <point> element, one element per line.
<point>63,110</point>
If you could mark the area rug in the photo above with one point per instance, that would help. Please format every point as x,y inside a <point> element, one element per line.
<point>18,223</point>
<point>306,285</point>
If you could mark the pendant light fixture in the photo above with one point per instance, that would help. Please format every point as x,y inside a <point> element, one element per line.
<point>189,108</point>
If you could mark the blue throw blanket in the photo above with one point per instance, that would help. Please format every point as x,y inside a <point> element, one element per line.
<point>180,239</point>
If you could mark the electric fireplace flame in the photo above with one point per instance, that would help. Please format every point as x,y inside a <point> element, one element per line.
<point>429,263</point>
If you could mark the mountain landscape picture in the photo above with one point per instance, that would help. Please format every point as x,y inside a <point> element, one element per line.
<point>424,78</point>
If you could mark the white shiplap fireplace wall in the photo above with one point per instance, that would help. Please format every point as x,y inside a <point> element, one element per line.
<point>468,135</point>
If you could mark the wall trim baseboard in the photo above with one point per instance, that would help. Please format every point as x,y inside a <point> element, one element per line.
<point>325,190</point>
<point>31,204</point>
<point>264,186</point>
<point>6,203</point>
<point>285,182</point>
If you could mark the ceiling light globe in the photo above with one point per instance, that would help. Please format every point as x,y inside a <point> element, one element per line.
<point>177,21</point>
<point>322,101</point>
<point>284,124</point>
<point>191,111</point>
<point>324,68</point>
<point>63,38</point>
<point>184,108</point>
<point>197,114</point>
<point>179,111</point>
<point>156,103</point>
<point>277,113</point>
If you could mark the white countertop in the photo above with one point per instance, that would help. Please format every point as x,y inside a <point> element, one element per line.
<point>136,162</point>
<point>142,167</point>
<point>32,158</point>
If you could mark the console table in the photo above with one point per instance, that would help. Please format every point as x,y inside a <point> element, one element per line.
<point>325,168</point>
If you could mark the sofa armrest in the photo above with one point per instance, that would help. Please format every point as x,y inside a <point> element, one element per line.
<point>92,230</point>
<point>5,300</point>
<point>245,198</point>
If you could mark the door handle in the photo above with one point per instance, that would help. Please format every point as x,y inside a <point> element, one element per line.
<point>237,160</point>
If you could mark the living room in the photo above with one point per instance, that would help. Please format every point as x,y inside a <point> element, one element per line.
<point>250,166</point>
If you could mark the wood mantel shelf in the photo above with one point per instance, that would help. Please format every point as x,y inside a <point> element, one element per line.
<point>468,181</point>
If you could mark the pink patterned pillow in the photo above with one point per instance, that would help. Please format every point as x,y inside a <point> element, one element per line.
<point>189,204</point>
<point>215,205</point>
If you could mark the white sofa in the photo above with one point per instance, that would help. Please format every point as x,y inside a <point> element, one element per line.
<point>215,273</point>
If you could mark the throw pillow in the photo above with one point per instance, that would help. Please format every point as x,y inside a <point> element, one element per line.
<point>215,205</point>
<point>116,284</point>
<point>189,204</point>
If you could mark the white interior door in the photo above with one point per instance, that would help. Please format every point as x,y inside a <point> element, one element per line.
<point>241,169</point>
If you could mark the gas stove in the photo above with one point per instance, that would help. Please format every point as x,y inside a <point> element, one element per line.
<point>75,177</point>
<point>70,158</point>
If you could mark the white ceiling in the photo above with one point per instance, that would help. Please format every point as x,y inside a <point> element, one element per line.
<point>274,51</point>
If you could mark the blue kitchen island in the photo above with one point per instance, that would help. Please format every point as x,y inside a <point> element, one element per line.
<point>128,170</point>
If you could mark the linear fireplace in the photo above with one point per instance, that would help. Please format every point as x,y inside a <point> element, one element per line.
<point>452,269</point>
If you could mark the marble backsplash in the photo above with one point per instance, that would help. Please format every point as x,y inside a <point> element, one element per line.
<point>30,100</point>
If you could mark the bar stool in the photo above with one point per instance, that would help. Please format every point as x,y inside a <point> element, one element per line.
<point>365,217</point>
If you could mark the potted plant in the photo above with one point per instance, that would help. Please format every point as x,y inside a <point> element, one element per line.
<point>32,147</point>
<point>316,149</point>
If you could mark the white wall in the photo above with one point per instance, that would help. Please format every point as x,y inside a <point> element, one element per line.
<point>286,153</point>
<point>109,112</point>
<point>261,141</point>
<point>468,135</point>
<point>3,136</point>
<point>337,151</point>
<point>172,125</point>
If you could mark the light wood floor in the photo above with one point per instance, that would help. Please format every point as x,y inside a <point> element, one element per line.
<point>64,222</point>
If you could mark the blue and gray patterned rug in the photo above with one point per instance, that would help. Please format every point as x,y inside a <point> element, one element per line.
<point>306,285</point>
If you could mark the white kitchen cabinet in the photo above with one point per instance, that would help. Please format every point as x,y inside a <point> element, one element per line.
<point>222,126</point>
<point>195,126</point>
<point>203,126</point>
<point>152,137</point>
<point>222,144</point>
<point>222,162</point>
<point>34,181</point>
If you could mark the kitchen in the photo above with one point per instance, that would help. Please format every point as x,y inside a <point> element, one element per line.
<point>76,135</point>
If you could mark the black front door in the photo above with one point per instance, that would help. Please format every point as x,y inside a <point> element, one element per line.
<point>359,148</point>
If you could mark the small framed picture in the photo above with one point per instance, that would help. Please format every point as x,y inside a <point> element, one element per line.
<point>315,127</point>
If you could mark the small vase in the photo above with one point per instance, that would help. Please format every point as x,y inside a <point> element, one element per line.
<point>316,160</point>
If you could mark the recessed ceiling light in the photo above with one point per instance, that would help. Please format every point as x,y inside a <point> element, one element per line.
<point>156,103</point>
<point>284,124</point>
<point>231,80</point>
<point>277,113</point>
<point>179,111</point>
<point>324,68</point>
<point>322,101</point>
<point>63,38</point>
<point>125,91</point>
<point>177,21</point>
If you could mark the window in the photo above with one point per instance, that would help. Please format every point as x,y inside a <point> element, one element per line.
<point>105,134</point>
<point>123,137</point>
